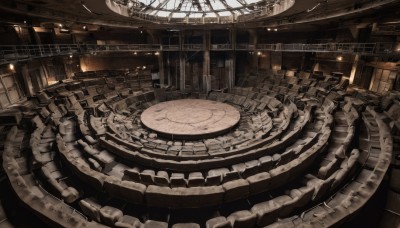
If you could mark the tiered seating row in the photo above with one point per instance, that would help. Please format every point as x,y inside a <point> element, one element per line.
<point>55,211</point>
<point>284,163</point>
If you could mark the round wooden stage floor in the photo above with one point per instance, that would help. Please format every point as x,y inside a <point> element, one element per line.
<point>190,118</point>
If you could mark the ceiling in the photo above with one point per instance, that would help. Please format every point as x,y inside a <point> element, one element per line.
<point>198,11</point>
<point>98,13</point>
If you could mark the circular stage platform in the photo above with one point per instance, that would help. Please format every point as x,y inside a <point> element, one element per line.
<point>190,118</point>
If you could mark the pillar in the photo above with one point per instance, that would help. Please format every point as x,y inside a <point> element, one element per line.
<point>354,69</point>
<point>161,67</point>
<point>155,37</point>
<point>231,62</point>
<point>206,61</point>
<point>182,70</point>
<point>253,39</point>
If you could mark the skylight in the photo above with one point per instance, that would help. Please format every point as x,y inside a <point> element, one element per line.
<point>197,11</point>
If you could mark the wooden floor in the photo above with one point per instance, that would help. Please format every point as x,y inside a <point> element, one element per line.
<point>190,118</point>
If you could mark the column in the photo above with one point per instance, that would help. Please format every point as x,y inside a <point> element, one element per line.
<point>155,37</point>
<point>354,69</point>
<point>231,62</point>
<point>182,62</point>
<point>253,39</point>
<point>161,67</point>
<point>206,61</point>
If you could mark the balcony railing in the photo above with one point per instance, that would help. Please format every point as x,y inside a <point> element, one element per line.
<point>13,53</point>
<point>193,47</point>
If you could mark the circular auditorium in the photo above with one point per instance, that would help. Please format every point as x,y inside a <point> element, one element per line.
<point>199,113</point>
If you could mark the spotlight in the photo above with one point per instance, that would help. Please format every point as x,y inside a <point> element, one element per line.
<point>70,56</point>
<point>269,29</point>
<point>11,66</point>
<point>339,58</point>
<point>276,30</point>
<point>259,53</point>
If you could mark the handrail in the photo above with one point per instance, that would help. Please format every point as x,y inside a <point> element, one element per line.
<point>15,53</point>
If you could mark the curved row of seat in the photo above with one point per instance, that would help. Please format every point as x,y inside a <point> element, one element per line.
<point>253,127</point>
<point>285,179</point>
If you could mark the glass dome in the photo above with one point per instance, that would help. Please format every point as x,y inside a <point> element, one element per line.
<point>197,11</point>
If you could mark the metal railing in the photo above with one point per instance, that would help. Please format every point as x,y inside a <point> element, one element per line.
<point>221,47</point>
<point>13,53</point>
<point>193,47</point>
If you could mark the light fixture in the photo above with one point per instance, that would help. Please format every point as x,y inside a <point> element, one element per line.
<point>144,67</point>
<point>157,53</point>
<point>24,22</point>
<point>86,8</point>
<point>11,66</point>
<point>141,31</point>
<point>135,53</point>
<point>269,29</point>
<point>84,27</point>
<point>276,30</point>
<point>259,53</point>
<point>60,25</point>
<point>70,56</point>
<point>316,6</point>
<point>339,58</point>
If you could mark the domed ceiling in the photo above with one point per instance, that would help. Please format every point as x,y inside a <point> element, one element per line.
<point>199,11</point>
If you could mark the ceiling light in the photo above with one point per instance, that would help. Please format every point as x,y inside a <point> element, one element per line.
<point>86,8</point>
<point>157,53</point>
<point>276,30</point>
<point>84,27</point>
<point>269,29</point>
<point>70,56</point>
<point>339,58</point>
<point>11,66</point>
<point>259,53</point>
<point>316,6</point>
<point>135,53</point>
<point>60,25</point>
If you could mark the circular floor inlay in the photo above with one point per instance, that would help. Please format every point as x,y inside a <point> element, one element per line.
<point>190,118</point>
<point>189,115</point>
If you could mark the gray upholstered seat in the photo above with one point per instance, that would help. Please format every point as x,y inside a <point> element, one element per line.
<point>242,219</point>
